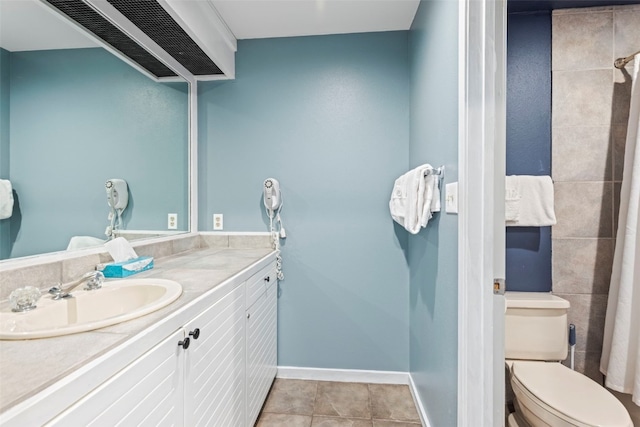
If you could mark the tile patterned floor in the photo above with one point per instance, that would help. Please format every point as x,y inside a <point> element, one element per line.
<point>298,403</point>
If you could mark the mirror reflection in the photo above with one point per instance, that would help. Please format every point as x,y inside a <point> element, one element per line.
<point>73,117</point>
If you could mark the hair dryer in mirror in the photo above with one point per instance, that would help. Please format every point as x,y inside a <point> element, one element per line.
<point>117,199</point>
<point>117,193</point>
<point>272,196</point>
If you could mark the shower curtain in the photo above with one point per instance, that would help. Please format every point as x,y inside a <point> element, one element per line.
<point>620,360</point>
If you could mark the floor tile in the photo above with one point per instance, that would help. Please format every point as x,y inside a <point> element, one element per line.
<point>280,420</point>
<point>291,397</point>
<point>342,400</point>
<point>392,402</point>
<point>319,421</point>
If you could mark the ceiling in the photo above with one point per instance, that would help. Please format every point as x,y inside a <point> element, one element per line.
<point>31,25</point>
<point>252,19</point>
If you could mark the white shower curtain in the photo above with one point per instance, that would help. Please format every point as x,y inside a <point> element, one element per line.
<point>621,348</point>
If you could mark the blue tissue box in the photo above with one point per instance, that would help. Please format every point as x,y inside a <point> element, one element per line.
<point>127,268</point>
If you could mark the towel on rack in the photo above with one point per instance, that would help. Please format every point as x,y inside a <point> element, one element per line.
<point>529,201</point>
<point>6,199</point>
<point>512,201</point>
<point>415,197</point>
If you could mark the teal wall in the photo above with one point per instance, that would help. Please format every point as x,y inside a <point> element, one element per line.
<point>328,117</point>
<point>78,118</point>
<point>4,144</point>
<point>433,253</point>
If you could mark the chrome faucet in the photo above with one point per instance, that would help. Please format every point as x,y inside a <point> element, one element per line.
<point>92,280</point>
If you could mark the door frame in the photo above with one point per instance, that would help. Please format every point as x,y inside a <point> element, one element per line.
<point>481,244</point>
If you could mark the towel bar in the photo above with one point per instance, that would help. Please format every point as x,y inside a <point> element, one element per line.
<point>436,171</point>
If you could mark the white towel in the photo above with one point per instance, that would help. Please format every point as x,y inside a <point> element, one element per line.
<point>414,198</point>
<point>529,201</point>
<point>80,242</point>
<point>6,199</point>
<point>512,201</point>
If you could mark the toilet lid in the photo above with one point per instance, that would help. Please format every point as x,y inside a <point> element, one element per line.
<point>572,394</point>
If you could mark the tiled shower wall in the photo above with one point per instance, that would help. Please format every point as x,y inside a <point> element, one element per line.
<point>590,108</point>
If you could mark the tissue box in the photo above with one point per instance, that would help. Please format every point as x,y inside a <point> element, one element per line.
<point>127,268</point>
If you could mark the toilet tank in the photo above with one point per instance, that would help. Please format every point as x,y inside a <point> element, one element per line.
<point>535,326</point>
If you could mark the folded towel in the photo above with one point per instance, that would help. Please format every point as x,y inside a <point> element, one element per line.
<point>529,201</point>
<point>6,199</point>
<point>80,242</point>
<point>512,201</point>
<point>414,198</point>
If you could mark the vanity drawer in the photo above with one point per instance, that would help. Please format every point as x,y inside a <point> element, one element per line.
<point>259,283</point>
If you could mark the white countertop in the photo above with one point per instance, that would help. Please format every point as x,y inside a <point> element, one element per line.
<point>29,366</point>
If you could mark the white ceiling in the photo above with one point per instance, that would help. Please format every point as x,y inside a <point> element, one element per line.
<point>251,19</point>
<point>30,25</point>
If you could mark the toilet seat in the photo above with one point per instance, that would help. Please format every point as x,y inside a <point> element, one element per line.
<point>557,396</point>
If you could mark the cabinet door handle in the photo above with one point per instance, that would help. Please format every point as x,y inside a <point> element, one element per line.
<point>195,333</point>
<point>267,279</point>
<point>184,343</point>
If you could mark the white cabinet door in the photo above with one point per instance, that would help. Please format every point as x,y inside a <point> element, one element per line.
<point>215,365</point>
<point>262,350</point>
<point>149,392</point>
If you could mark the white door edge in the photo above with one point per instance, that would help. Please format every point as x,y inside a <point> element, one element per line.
<point>482,30</point>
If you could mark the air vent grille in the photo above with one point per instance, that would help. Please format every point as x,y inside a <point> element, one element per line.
<point>95,23</point>
<point>154,21</point>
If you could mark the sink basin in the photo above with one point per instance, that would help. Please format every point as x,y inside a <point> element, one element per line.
<point>117,301</point>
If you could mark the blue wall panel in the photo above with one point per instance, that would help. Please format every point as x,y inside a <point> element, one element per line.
<point>528,252</point>
<point>328,117</point>
<point>433,253</point>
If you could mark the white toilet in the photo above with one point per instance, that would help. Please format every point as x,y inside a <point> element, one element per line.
<point>548,393</point>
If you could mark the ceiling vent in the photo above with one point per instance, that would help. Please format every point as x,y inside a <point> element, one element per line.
<point>95,23</point>
<point>166,38</point>
<point>155,22</point>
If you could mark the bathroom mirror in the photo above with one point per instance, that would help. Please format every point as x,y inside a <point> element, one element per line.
<point>73,116</point>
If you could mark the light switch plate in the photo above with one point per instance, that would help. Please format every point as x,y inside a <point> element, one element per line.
<point>451,198</point>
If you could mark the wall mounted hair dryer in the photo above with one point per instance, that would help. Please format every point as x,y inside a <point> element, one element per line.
<point>272,196</point>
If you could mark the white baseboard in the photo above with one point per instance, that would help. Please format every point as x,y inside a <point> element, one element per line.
<point>343,375</point>
<point>416,398</point>
<point>357,376</point>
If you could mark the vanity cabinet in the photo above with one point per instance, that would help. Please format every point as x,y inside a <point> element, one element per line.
<point>147,392</point>
<point>215,364</point>
<point>262,329</point>
<point>216,370</point>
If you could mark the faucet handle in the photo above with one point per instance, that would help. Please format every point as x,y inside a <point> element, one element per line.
<point>24,299</point>
<point>94,280</point>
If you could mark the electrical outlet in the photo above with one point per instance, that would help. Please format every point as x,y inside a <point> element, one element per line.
<point>172,221</point>
<point>218,221</point>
